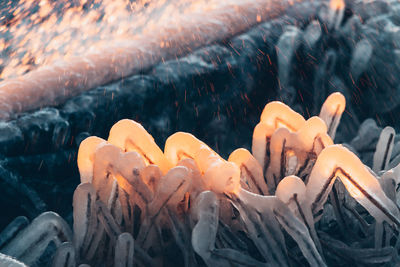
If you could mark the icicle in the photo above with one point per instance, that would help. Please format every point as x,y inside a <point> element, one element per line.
<point>31,242</point>
<point>105,157</point>
<point>198,184</point>
<point>331,112</point>
<point>124,251</point>
<point>389,183</point>
<point>131,136</point>
<point>275,171</point>
<point>360,59</point>
<point>205,212</point>
<point>86,157</point>
<point>12,230</point>
<point>261,145</point>
<point>336,161</point>
<point>251,172</point>
<point>181,145</point>
<point>286,48</point>
<point>383,149</point>
<point>84,214</point>
<point>64,256</point>
<point>312,34</point>
<point>292,191</point>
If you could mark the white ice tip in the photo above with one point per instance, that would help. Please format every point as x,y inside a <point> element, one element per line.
<point>334,104</point>
<point>86,152</point>
<point>288,187</point>
<point>181,145</point>
<point>276,114</point>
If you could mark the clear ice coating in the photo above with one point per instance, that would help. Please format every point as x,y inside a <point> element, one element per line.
<point>187,206</point>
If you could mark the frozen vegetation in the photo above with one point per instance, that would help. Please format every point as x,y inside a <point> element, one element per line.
<point>186,205</point>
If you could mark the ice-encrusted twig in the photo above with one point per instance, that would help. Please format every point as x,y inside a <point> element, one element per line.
<point>383,149</point>
<point>31,242</point>
<point>337,161</point>
<point>292,191</point>
<point>64,256</point>
<point>12,230</point>
<point>205,213</point>
<point>124,250</point>
<point>331,112</point>
<point>286,48</point>
<point>85,219</point>
<point>361,56</point>
<point>86,157</point>
<point>251,174</point>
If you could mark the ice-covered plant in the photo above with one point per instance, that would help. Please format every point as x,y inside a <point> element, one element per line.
<point>286,203</point>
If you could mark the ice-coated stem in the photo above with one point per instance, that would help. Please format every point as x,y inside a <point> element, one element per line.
<point>12,230</point>
<point>383,149</point>
<point>85,160</point>
<point>251,173</point>
<point>64,256</point>
<point>291,190</point>
<point>205,212</point>
<point>261,145</point>
<point>337,161</point>
<point>84,214</point>
<point>331,112</point>
<point>124,251</point>
<point>286,48</point>
<point>31,242</point>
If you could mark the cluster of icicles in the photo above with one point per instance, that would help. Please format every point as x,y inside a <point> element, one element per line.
<point>139,206</point>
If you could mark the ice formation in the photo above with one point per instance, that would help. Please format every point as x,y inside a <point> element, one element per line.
<point>139,205</point>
